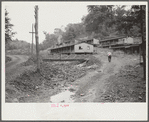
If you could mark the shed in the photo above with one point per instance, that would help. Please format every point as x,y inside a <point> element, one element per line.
<point>83,48</point>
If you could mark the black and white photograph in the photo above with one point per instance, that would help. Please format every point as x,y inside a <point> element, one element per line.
<point>69,53</point>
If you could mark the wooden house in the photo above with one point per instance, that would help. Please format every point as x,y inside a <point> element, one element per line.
<point>119,41</point>
<point>127,44</point>
<point>112,41</point>
<point>83,48</point>
<point>92,41</point>
<point>78,48</point>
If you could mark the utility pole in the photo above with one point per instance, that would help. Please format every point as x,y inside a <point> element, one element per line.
<point>143,44</point>
<point>32,39</point>
<point>36,37</point>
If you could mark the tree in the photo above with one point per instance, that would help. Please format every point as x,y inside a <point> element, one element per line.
<point>139,17</point>
<point>139,12</point>
<point>58,32</point>
<point>69,35</point>
<point>73,31</point>
<point>128,21</point>
<point>8,28</point>
<point>120,20</point>
<point>50,40</point>
<point>99,19</point>
<point>113,20</point>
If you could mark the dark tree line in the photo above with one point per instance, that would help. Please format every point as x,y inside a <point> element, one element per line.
<point>8,28</point>
<point>102,21</point>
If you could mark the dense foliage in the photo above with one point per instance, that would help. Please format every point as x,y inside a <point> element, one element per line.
<point>18,44</point>
<point>50,40</point>
<point>102,21</point>
<point>8,28</point>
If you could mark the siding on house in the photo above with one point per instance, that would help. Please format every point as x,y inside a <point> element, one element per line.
<point>129,40</point>
<point>114,42</point>
<point>121,41</point>
<point>95,41</point>
<point>137,40</point>
<point>77,46</point>
<point>74,48</point>
<point>83,48</point>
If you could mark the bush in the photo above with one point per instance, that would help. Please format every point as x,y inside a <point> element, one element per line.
<point>93,60</point>
<point>7,59</point>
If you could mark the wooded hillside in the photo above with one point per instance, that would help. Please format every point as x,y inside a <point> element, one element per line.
<point>101,22</point>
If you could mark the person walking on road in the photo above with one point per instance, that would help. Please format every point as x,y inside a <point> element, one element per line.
<point>109,56</point>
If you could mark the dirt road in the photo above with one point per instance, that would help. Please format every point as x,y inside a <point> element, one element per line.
<point>105,84</point>
<point>95,84</point>
<point>91,87</point>
<point>16,59</point>
<point>12,68</point>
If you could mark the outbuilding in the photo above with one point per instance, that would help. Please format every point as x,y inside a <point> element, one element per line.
<point>74,48</point>
<point>83,48</point>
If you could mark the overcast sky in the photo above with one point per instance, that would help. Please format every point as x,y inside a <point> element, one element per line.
<point>51,15</point>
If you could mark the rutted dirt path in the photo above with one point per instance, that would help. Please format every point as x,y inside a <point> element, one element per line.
<point>91,86</point>
<point>94,86</point>
<point>16,59</point>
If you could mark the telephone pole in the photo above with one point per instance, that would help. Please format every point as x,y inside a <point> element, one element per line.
<point>37,38</point>
<point>32,39</point>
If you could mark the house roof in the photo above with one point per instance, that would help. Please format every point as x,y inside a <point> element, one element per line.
<point>85,39</point>
<point>68,45</point>
<point>110,39</point>
<point>125,46</point>
<point>83,42</point>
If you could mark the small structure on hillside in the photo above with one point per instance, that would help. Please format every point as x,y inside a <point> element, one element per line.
<point>92,41</point>
<point>82,45</point>
<point>83,48</point>
<point>78,48</point>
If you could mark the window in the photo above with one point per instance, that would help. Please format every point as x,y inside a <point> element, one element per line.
<point>80,48</point>
<point>88,47</point>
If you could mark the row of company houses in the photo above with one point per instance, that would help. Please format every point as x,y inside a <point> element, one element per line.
<point>127,44</point>
<point>79,46</point>
<point>89,45</point>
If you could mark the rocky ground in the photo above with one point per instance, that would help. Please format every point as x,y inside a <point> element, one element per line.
<point>95,80</point>
<point>126,86</point>
<point>32,86</point>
